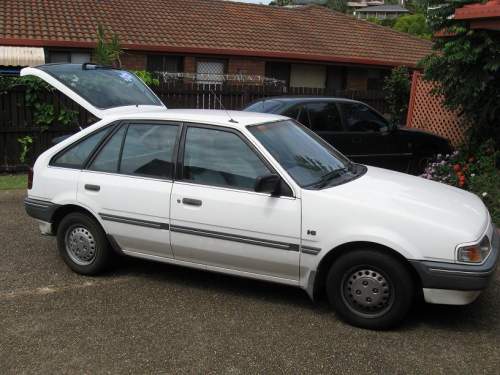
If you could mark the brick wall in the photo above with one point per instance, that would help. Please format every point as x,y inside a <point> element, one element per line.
<point>189,64</point>
<point>133,61</point>
<point>246,66</point>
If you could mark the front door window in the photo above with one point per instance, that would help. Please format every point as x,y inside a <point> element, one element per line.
<point>360,118</point>
<point>220,158</point>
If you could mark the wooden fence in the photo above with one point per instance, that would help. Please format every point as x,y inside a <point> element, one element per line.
<point>17,119</point>
<point>427,112</point>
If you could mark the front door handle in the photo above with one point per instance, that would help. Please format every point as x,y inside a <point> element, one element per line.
<point>92,187</point>
<point>191,202</point>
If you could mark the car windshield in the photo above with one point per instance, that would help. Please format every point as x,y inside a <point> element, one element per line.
<point>104,88</point>
<point>308,159</point>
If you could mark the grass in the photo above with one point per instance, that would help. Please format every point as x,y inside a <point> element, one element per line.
<point>13,181</point>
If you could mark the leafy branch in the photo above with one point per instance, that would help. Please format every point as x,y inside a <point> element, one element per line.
<point>25,143</point>
<point>107,52</point>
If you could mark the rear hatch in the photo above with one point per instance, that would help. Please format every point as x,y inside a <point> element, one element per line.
<point>100,90</point>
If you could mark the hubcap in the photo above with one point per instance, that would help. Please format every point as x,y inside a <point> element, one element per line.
<point>80,245</point>
<point>368,292</point>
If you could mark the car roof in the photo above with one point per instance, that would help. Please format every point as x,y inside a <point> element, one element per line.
<point>232,119</point>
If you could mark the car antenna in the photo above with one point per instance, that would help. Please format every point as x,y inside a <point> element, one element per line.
<point>224,108</point>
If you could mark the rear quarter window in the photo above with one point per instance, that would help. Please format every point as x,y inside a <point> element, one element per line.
<point>265,106</point>
<point>77,154</point>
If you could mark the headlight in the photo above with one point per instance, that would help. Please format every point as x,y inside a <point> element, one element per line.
<point>474,253</point>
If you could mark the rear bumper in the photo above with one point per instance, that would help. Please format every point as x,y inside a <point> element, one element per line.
<point>450,283</point>
<point>41,210</point>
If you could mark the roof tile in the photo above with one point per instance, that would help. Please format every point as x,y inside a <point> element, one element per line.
<point>309,32</point>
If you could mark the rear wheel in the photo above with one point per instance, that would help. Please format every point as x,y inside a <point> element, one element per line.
<point>370,289</point>
<point>83,244</point>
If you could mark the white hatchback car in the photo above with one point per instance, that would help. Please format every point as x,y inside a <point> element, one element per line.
<point>253,195</point>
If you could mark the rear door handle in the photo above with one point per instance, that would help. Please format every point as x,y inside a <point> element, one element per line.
<point>92,187</point>
<point>191,202</point>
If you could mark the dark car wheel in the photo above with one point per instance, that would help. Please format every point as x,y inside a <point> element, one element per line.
<point>370,289</point>
<point>83,244</point>
<point>419,164</point>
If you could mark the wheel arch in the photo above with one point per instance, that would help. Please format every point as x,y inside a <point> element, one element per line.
<point>329,258</point>
<point>66,209</point>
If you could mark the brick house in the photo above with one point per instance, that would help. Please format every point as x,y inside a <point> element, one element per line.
<point>304,46</point>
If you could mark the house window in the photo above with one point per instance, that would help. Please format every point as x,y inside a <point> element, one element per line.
<point>210,71</point>
<point>375,79</point>
<point>68,56</point>
<point>311,76</point>
<point>278,70</point>
<point>164,63</point>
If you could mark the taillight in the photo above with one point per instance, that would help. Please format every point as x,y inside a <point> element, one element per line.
<point>30,178</point>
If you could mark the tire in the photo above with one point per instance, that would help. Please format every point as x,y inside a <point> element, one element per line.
<point>82,244</point>
<point>419,164</point>
<point>370,289</point>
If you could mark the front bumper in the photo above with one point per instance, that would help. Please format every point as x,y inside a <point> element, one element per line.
<point>456,284</point>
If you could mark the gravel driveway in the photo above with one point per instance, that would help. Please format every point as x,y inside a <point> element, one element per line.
<point>154,318</point>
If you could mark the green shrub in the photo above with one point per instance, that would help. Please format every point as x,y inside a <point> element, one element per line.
<point>397,94</point>
<point>147,77</point>
<point>414,24</point>
<point>466,67</point>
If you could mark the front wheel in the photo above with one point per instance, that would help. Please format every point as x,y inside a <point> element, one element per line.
<point>419,164</point>
<point>370,289</point>
<point>83,244</point>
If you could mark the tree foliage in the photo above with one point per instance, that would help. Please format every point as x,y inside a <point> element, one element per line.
<point>281,2</point>
<point>397,94</point>
<point>417,6</point>
<point>388,22</point>
<point>414,24</point>
<point>466,66</point>
<point>338,5</point>
<point>108,50</point>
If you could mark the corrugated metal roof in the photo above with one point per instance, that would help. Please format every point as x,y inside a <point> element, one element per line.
<point>21,56</point>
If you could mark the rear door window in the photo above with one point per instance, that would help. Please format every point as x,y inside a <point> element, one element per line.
<point>108,158</point>
<point>324,116</point>
<point>148,150</point>
<point>293,112</point>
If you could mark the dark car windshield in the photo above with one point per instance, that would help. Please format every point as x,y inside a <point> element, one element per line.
<point>265,106</point>
<point>103,88</point>
<point>308,159</point>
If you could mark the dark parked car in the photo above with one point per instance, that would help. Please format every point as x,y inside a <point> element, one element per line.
<point>359,131</point>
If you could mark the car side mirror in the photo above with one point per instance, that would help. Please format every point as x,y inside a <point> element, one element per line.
<point>269,183</point>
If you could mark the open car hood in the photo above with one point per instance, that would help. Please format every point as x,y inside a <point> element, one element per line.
<point>100,90</point>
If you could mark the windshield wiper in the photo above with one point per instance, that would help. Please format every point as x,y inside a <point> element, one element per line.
<point>350,166</point>
<point>326,178</point>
